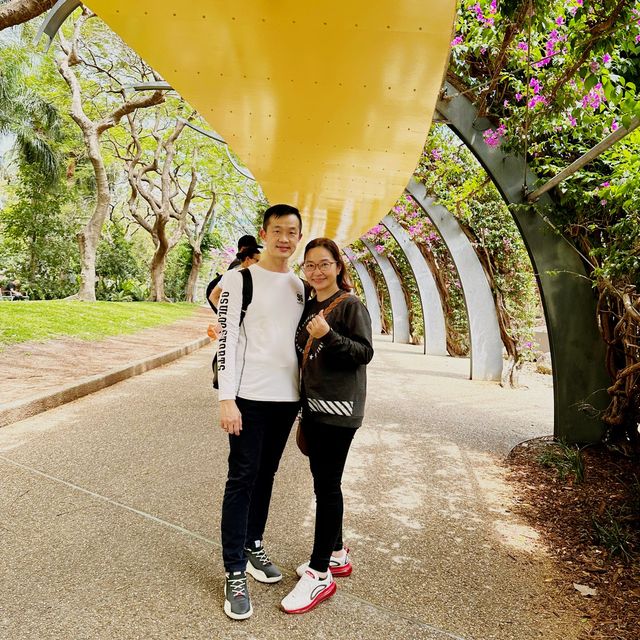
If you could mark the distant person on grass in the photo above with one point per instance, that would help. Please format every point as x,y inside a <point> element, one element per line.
<point>14,291</point>
<point>259,399</point>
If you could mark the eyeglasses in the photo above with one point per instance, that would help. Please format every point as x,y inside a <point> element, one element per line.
<point>324,266</point>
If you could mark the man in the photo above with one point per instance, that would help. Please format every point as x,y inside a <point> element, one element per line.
<point>259,399</point>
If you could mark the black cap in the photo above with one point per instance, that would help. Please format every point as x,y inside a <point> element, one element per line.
<point>248,242</point>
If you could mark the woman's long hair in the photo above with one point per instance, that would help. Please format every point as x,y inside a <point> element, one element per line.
<point>343,280</point>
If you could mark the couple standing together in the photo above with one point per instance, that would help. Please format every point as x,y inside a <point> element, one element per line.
<point>281,350</point>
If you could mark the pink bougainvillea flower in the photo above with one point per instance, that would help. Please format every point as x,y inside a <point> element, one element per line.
<point>456,41</point>
<point>572,121</point>
<point>614,126</point>
<point>379,248</point>
<point>605,184</point>
<point>518,97</point>
<point>606,58</point>
<point>436,154</point>
<point>537,99</point>
<point>534,83</point>
<point>560,20</point>
<point>603,202</point>
<point>493,137</point>
<point>523,46</point>
<point>638,38</point>
<point>480,15</point>
<point>594,98</point>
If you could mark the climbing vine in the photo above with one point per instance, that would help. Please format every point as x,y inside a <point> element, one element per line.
<point>555,78</point>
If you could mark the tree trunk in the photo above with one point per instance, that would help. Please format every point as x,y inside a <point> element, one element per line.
<point>17,12</point>
<point>159,261</point>
<point>89,237</point>
<point>196,263</point>
<point>87,291</point>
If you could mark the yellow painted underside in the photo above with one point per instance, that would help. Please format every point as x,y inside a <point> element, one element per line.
<point>328,103</point>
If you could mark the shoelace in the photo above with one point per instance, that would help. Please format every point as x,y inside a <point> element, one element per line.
<point>238,586</point>
<point>261,555</point>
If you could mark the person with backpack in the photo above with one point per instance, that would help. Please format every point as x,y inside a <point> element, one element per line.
<point>334,345</point>
<point>259,398</point>
<point>244,258</point>
<point>248,247</point>
<point>246,244</point>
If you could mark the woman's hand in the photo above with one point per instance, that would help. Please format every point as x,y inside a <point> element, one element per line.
<point>318,327</point>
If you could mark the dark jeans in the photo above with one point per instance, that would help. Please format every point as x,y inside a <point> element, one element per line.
<point>254,456</point>
<point>328,450</point>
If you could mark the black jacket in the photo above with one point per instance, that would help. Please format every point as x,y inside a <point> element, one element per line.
<point>334,377</point>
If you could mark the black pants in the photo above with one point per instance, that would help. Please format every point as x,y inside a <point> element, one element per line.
<point>328,450</point>
<point>254,456</point>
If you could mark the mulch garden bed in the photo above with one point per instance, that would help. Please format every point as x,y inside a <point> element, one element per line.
<point>591,526</point>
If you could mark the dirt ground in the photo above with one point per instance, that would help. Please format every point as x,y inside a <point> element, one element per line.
<point>31,368</point>
<point>592,528</point>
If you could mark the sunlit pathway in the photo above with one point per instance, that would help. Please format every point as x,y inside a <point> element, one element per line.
<point>109,514</point>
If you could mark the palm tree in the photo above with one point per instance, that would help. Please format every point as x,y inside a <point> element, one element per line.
<point>25,116</point>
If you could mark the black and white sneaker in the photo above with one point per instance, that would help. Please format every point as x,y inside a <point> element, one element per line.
<point>258,564</point>
<point>237,604</point>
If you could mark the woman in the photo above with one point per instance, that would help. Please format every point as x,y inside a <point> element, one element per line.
<point>247,257</point>
<point>334,345</point>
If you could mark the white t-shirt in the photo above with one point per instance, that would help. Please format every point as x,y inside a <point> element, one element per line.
<point>258,361</point>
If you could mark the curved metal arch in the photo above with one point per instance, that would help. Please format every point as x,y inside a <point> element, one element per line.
<point>55,18</point>
<point>435,333</point>
<point>369,289</point>
<point>484,331</point>
<point>399,310</point>
<point>577,348</point>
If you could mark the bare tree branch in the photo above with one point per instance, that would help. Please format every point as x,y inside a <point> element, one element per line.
<point>17,12</point>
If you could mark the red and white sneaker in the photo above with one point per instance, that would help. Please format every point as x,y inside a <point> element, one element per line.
<point>310,591</point>
<point>339,567</point>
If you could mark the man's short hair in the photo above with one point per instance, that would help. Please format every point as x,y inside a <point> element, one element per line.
<point>279,211</point>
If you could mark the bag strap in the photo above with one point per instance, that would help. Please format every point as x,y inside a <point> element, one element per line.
<point>310,339</point>
<point>247,292</point>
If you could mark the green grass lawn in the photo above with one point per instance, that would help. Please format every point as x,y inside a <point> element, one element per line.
<point>47,319</point>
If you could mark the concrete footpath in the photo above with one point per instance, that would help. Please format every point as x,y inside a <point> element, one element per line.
<point>109,515</point>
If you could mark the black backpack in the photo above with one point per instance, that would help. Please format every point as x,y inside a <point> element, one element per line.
<point>210,287</point>
<point>247,296</point>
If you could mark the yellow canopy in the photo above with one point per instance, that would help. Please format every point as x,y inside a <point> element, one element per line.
<point>328,103</point>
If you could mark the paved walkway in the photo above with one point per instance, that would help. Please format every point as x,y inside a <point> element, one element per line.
<point>109,515</point>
